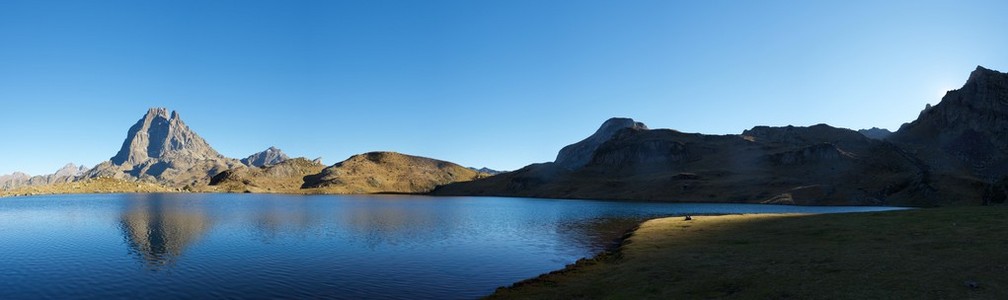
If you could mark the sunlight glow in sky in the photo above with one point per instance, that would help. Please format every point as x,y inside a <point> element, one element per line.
<point>500,84</point>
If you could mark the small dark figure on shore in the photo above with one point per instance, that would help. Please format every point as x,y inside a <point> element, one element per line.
<point>688,218</point>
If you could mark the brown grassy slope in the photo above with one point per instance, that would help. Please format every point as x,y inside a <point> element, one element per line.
<point>940,253</point>
<point>817,165</point>
<point>387,172</point>
<point>91,185</point>
<point>285,177</point>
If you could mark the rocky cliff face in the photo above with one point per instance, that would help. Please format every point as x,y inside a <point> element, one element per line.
<point>267,157</point>
<point>967,132</point>
<point>161,148</point>
<point>159,135</point>
<point>577,155</point>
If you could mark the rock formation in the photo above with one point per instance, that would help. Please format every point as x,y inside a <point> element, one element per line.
<point>967,132</point>
<point>578,154</point>
<point>267,157</point>
<point>161,148</point>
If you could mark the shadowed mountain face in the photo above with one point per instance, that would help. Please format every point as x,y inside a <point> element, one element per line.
<point>795,165</point>
<point>955,152</point>
<point>967,132</point>
<point>578,154</point>
<point>161,148</point>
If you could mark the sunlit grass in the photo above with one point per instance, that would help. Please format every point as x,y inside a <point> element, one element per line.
<point>954,253</point>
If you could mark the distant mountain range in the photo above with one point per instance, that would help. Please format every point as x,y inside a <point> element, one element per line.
<point>954,152</point>
<point>67,173</point>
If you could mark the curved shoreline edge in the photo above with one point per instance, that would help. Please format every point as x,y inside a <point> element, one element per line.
<point>947,253</point>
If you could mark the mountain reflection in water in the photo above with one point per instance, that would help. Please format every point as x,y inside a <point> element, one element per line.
<point>158,229</point>
<point>242,246</point>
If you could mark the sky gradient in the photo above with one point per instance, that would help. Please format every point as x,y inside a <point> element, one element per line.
<point>500,84</point>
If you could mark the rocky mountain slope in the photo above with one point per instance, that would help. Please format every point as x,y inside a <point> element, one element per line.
<point>13,180</point>
<point>955,152</point>
<point>793,165</point>
<point>270,156</point>
<point>67,173</point>
<point>967,132</point>
<point>576,155</point>
<point>161,148</point>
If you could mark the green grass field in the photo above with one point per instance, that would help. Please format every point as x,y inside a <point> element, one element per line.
<point>936,253</point>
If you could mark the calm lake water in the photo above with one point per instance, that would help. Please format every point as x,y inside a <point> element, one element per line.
<point>285,246</point>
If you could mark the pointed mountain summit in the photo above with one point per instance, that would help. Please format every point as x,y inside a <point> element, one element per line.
<point>578,154</point>
<point>161,148</point>
<point>268,157</point>
<point>968,130</point>
<point>159,135</point>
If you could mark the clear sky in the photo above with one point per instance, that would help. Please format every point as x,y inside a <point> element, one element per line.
<point>481,83</point>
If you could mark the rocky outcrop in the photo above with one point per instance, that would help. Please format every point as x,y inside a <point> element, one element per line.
<point>579,154</point>
<point>387,172</point>
<point>876,133</point>
<point>161,148</point>
<point>967,132</point>
<point>268,157</point>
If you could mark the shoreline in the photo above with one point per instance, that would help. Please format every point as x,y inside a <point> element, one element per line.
<point>951,252</point>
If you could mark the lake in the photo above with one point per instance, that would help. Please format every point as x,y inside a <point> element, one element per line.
<point>290,246</point>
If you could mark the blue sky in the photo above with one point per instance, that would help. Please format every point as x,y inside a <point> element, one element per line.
<point>481,83</point>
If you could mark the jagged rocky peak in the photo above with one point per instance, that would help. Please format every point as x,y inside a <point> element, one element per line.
<point>162,135</point>
<point>579,154</point>
<point>270,156</point>
<point>969,124</point>
<point>70,170</point>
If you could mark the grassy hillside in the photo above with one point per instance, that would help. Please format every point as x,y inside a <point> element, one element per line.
<point>939,253</point>
<point>388,172</point>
